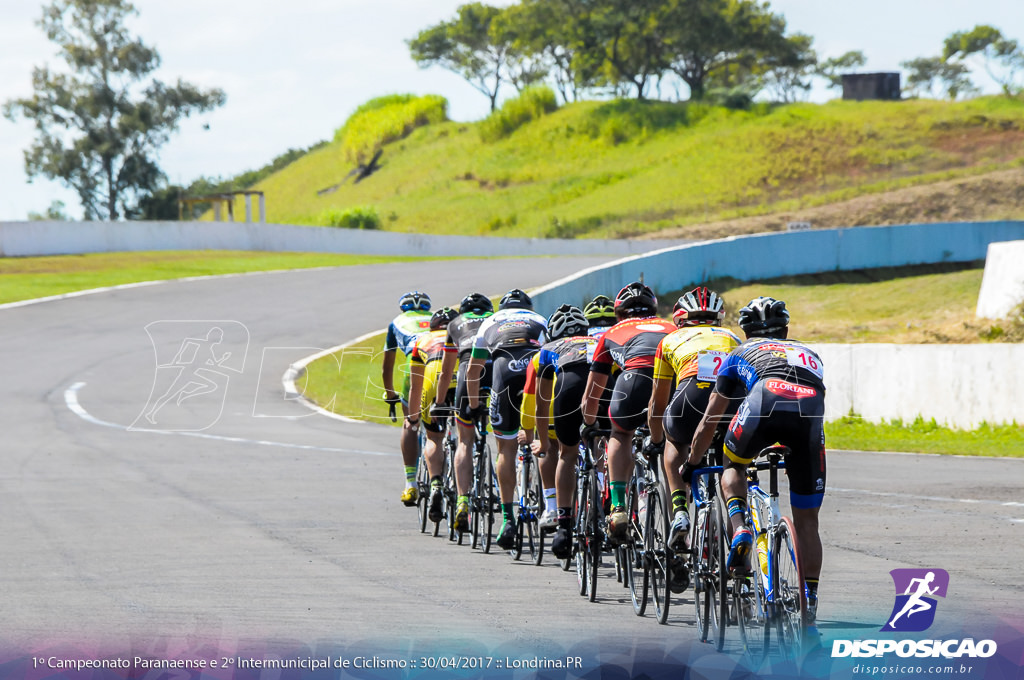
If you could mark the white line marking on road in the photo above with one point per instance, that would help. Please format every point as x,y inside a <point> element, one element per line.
<point>75,406</point>
<point>941,499</point>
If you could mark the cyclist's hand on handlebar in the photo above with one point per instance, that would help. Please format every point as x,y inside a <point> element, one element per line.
<point>478,412</point>
<point>652,448</point>
<point>439,411</point>
<point>588,432</point>
<point>686,470</point>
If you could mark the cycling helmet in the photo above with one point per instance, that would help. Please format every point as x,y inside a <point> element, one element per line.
<point>442,317</point>
<point>636,299</point>
<point>600,311</point>
<point>515,298</point>
<point>414,300</point>
<point>476,302</point>
<point>699,306</point>
<point>566,322</point>
<point>764,317</point>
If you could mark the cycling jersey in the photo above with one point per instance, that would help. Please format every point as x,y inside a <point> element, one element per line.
<point>693,350</point>
<point>461,332</point>
<point>509,329</point>
<point>566,361</point>
<point>758,359</point>
<point>404,328</point>
<point>428,350</point>
<point>630,344</point>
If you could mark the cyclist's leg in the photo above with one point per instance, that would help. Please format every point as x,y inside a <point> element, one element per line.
<point>626,413</point>
<point>466,431</point>
<point>508,381</point>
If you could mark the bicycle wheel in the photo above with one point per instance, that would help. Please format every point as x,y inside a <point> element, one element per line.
<point>634,557</point>
<point>789,601</point>
<point>700,570</point>
<point>537,506</point>
<point>579,533</point>
<point>423,485</point>
<point>656,542</point>
<point>720,575</point>
<point>751,616</point>
<point>476,500</point>
<point>595,540</point>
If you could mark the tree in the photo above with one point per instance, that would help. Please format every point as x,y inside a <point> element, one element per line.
<point>99,125</point>
<point>715,36</point>
<point>466,46</point>
<point>789,70</point>
<point>831,69</point>
<point>55,213</point>
<point>924,72</point>
<point>1002,57</point>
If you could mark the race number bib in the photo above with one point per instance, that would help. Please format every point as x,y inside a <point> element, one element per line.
<point>803,358</point>
<point>709,362</point>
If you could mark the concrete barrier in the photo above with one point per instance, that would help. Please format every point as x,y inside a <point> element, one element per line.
<point>21,239</point>
<point>1002,286</point>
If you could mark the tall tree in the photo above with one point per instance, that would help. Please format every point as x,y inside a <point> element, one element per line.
<point>705,36</point>
<point>831,69</point>
<point>1002,57</point>
<point>101,122</point>
<point>466,45</point>
<point>788,70</point>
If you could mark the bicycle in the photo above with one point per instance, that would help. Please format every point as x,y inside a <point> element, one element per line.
<point>589,527</point>
<point>650,522</point>
<point>483,495</point>
<point>529,506</point>
<point>449,445</point>
<point>707,555</point>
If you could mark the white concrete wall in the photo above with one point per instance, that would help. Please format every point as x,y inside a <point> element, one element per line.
<point>19,239</point>
<point>957,385</point>
<point>1002,286</point>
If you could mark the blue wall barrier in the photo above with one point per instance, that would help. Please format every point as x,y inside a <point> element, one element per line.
<point>767,256</point>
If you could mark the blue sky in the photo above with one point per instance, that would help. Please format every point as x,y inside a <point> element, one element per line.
<point>294,71</point>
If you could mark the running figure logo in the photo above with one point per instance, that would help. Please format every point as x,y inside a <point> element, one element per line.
<point>914,610</point>
<point>194,363</point>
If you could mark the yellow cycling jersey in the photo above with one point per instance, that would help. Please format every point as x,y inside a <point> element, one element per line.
<point>693,350</point>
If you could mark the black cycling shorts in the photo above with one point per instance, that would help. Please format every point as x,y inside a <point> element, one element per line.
<point>435,426</point>
<point>777,411</point>
<point>566,405</point>
<point>628,408</point>
<point>685,410</point>
<point>508,379</point>
<point>462,398</point>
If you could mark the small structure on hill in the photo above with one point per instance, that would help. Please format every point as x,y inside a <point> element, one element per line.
<point>861,86</point>
<point>226,198</point>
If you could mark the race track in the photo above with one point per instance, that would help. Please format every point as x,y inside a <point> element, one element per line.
<point>240,520</point>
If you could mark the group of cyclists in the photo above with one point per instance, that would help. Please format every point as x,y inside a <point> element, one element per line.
<point>609,368</point>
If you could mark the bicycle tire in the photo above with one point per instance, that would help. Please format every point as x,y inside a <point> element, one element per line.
<point>751,617</point>
<point>595,541</point>
<point>790,602</point>
<point>579,534</point>
<point>423,487</point>
<point>720,576</point>
<point>700,570</point>
<point>635,561</point>
<point>659,553</point>
<point>537,506</point>
<point>476,504</point>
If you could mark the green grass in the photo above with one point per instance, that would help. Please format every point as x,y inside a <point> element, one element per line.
<point>921,436</point>
<point>24,278</point>
<point>626,167</point>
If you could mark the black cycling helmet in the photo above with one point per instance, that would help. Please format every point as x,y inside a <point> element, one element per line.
<point>600,311</point>
<point>515,298</point>
<point>765,317</point>
<point>476,302</point>
<point>566,322</point>
<point>699,306</point>
<point>442,317</point>
<point>414,300</point>
<point>636,300</point>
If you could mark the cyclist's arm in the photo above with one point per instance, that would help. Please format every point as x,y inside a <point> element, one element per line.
<point>660,394</point>
<point>448,364</point>
<point>416,371</point>
<point>545,386</point>
<point>705,432</point>
<point>474,371</point>
<point>388,373</point>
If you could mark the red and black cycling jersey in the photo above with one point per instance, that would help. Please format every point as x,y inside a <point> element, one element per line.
<point>792,366</point>
<point>630,344</point>
<point>429,347</point>
<point>461,332</point>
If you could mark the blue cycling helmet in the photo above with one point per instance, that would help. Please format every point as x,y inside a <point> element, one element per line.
<point>414,300</point>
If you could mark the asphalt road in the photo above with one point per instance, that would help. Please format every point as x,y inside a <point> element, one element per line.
<point>240,521</point>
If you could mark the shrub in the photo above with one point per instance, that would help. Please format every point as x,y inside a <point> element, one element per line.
<point>533,103</point>
<point>358,217</point>
<point>386,119</point>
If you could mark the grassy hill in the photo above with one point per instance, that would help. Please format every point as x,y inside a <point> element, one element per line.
<point>628,168</point>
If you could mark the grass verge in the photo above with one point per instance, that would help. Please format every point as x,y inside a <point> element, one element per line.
<point>925,436</point>
<point>25,278</point>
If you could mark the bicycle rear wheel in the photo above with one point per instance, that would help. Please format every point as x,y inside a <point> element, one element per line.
<point>635,561</point>
<point>790,602</point>
<point>537,505</point>
<point>594,535</point>
<point>751,615</point>
<point>719,574</point>
<point>580,532</point>
<point>700,569</point>
<point>656,542</point>
<point>423,486</point>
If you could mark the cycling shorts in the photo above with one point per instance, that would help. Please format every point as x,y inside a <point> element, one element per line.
<point>685,410</point>
<point>428,424</point>
<point>777,411</point>
<point>462,397</point>
<point>628,408</point>
<point>566,405</point>
<point>508,380</point>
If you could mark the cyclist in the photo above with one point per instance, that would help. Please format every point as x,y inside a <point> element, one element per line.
<point>402,332</point>
<point>560,370</point>
<point>473,310</point>
<point>783,400</point>
<point>510,337</point>
<point>424,387</point>
<point>600,314</point>
<point>688,358</point>
<point>630,344</point>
